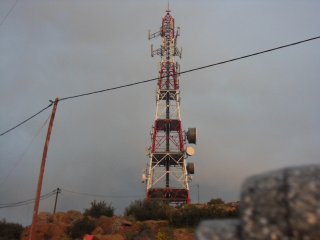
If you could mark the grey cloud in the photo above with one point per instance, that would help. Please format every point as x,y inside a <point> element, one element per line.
<point>252,115</point>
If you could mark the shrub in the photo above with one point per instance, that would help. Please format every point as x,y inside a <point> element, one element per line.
<point>216,201</point>
<point>186,216</point>
<point>10,231</point>
<point>99,209</point>
<point>191,215</point>
<point>147,210</point>
<point>81,227</point>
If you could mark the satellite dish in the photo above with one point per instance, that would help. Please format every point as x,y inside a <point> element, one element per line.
<point>192,135</point>
<point>190,168</point>
<point>190,151</point>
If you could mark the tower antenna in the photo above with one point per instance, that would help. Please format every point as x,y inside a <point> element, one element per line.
<point>168,174</point>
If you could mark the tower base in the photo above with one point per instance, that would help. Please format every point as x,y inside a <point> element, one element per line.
<point>169,195</point>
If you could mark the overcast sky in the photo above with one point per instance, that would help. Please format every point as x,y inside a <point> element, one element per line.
<point>252,115</point>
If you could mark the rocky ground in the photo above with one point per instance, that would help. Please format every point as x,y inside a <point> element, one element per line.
<point>57,227</point>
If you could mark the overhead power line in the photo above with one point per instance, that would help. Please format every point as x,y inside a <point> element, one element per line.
<point>26,202</point>
<point>109,89</point>
<point>8,13</point>
<point>191,70</point>
<point>16,163</point>
<point>24,121</point>
<point>154,79</point>
<point>250,55</point>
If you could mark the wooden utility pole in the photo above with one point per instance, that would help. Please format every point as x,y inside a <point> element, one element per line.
<point>43,163</point>
<point>55,201</point>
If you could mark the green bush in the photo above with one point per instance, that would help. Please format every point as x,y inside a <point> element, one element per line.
<point>98,209</point>
<point>81,227</point>
<point>186,216</point>
<point>191,215</point>
<point>147,210</point>
<point>10,231</point>
<point>216,201</point>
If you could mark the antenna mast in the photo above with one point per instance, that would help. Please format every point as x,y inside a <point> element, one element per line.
<point>168,174</point>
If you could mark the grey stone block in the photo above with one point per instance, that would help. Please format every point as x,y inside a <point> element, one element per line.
<point>283,204</point>
<point>219,230</point>
<point>279,205</point>
<point>263,207</point>
<point>303,198</point>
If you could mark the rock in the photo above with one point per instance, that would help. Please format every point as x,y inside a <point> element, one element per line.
<point>183,234</point>
<point>68,217</point>
<point>97,231</point>
<point>156,225</point>
<point>145,234</point>
<point>46,230</point>
<point>219,230</point>
<point>106,224</point>
<point>57,230</point>
<point>111,225</point>
<point>74,215</point>
<point>283,204</point>
<point>52,226</point>
<point>128,227</point>
<point>60,217</point>
<point>44,216</point>
<point>263,207</point>
<point>109,237</point>
<point>126,223</point>
<point>303,198</point>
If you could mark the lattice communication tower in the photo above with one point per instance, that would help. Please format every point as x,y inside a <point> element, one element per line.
<point>168,174</point>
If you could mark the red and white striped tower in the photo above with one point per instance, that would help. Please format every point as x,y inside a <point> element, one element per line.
<point>168,174</point>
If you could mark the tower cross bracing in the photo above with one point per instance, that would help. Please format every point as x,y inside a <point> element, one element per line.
<point>168,174</point>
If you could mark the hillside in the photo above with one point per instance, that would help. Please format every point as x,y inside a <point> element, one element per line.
<point>63,224</point>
